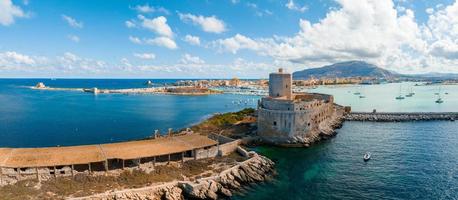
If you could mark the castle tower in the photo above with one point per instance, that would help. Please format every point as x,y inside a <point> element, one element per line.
<point>280,84</point>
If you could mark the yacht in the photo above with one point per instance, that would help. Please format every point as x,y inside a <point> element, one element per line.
<point>400,97</point>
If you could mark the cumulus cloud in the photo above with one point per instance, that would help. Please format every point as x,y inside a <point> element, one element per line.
<point>237,42</point>
<point>12,58</point>
<point>145,56</point>
<point>8,12</point>
<point>162,41</point>
<point>158,25</point>
<point>68,63</point>
<point>293,6</point>
<point>73,38</point>
<point>188,59</point>
<point>208,24</point>
<point>194,40</point>
<point>135,40</point>
<point>150,9</point>
<point>371,30</point>
<point>71,62</point>
<point>72,22</point>
<point>130,24</point>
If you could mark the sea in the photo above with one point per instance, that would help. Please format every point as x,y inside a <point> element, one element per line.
<point>410,160</point>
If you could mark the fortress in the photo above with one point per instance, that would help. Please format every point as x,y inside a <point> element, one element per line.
<point>285,117</point>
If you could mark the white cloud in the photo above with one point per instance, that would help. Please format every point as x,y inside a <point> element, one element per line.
<point>293,6</point>
<point>130,24</point>
<point>72,22</point>
<point>235,1</point>
<point>9,11</point>
<point>374,31</point>
<point>145,56</point>
<point>158,25</point>
<point>208,24</point>
<point>237,42</point>
<point>188,59</point>
<point>150,9</point>
<point>163,42</point>
<point>12,58</point>
<point>70,62</point>
<point>135,40</point>
<point>73,38</point>
<point>429,10</point>
<point>194,40</point>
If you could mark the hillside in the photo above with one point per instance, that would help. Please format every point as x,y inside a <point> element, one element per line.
<point>343,70</point>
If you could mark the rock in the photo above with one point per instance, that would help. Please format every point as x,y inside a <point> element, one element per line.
<point>174,193</point>
<point>225,192</point>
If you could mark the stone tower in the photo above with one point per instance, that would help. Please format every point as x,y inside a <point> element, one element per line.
<point>280,84</point>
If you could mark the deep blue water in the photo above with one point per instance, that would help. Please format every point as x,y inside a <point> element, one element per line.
<point>413,160</point>
<point>33,118</point>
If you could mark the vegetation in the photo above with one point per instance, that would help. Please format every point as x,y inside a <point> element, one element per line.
<point>228,123</point>
<point>84,185</point>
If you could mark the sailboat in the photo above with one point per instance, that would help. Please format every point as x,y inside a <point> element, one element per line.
<point>439,100</point>
<point>358,92</point>
<point>400,97</point>
<point>411,93</point>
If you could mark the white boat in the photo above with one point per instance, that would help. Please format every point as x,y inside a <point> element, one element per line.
<point>400,97</point>
<point>367,156</point>
<point>362,96</point>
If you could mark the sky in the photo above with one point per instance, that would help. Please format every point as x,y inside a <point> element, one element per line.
<point>222,38</point>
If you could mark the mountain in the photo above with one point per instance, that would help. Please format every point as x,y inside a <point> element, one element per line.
<point>344,70</point>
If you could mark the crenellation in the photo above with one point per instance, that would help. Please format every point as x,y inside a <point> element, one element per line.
<point>287,117</point>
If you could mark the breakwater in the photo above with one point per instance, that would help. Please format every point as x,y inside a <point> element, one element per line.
<point>400,116</point>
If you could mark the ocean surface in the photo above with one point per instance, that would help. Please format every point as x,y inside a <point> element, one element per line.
<point>414,160</point>
<point>411,160</point>
<point>38,118</point>
<point>382,97</point>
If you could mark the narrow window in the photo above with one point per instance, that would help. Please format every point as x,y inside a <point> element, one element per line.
<point>275,123</point>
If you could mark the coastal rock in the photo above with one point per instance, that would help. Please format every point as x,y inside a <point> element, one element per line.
<point>256,169</point>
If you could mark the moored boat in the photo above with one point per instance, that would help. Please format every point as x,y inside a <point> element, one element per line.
<point>367,156</point>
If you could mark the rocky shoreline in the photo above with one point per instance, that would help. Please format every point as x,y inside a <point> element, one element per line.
<point>256,169</point>
<point>400,117</point>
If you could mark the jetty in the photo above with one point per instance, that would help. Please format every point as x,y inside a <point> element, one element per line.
<point>400,116</point>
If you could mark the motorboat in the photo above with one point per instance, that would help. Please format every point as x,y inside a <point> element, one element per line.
<point>367,156</point>
<point>362,96</point>
<point>400,97</point>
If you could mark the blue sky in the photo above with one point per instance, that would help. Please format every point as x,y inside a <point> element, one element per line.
<point>222,38</point>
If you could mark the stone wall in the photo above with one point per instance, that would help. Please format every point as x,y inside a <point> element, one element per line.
<point>276,124</point>
<point>255,169</point>
<point>206,152</point>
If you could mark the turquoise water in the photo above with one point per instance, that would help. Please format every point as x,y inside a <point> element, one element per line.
<point>382,97</point>
<point>412,160</point>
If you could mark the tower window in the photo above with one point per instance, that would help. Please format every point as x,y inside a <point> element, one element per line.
<point>275,123</point>
<point>278,94</point>
<point>286,85</point>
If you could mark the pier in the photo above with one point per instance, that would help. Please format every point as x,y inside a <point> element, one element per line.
<point>400,116</point>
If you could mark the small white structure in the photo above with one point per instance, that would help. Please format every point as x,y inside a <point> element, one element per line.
<point>40,85</point>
